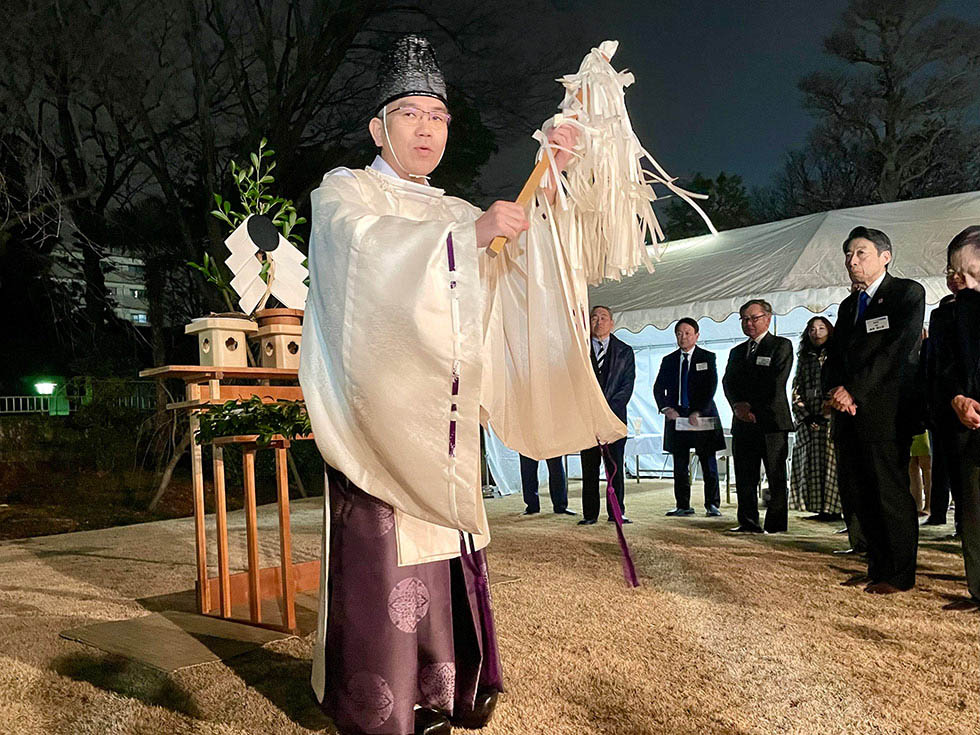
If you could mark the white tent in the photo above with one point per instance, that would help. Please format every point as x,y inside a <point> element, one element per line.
<point>791,263</point>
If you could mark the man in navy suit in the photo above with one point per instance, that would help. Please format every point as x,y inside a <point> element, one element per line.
<point>755,385</point>
<point>685,388</point>
<point>615,369</point>
<point>870,378</point>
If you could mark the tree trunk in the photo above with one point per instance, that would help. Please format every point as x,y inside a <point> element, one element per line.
<point>295,473</point>
<point>168,471</point>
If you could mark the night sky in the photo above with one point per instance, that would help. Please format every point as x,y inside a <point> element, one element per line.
<point>716,81</point>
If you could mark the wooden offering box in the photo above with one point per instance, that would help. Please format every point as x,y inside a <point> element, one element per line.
<point>222,341</point>
<point>279,335</point>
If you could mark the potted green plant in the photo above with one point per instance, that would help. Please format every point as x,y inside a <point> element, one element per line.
<point>265,263</point>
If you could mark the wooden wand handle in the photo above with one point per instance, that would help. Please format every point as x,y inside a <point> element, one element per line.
<point>524,198</point>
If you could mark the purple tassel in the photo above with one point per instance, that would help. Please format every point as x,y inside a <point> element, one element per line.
<point>629,570</point>
<point>494,676</point>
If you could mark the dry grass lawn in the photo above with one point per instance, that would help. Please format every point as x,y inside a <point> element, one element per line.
<point>726,635</point>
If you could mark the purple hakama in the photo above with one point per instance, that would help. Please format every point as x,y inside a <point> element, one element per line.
<point>400,636</point>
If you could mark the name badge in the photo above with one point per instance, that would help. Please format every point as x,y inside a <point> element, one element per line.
<point>763,360</point>
<point>876,325</point>
<point>700,366</point>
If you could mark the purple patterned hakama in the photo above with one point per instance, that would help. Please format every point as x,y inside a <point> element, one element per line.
<point>399,636</point>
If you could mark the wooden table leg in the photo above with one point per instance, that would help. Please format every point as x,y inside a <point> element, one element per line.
<point>285,541</point>
<point>252,536</point>
<point>193,393</point>
<point>221,520</point>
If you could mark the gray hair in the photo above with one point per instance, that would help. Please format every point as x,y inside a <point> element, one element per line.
<point>968,237</point>
<point>766,306</point>
<point>604,308</point>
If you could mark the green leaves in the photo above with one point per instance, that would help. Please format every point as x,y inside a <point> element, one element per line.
<point>215,275</point>
<point>224,207</point>
<point>252,183</point>
<point>243,418</point>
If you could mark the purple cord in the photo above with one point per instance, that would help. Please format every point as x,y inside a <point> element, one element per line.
<point>495,678</point>
<point>629,570</point>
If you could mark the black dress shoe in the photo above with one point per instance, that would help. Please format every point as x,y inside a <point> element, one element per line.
<point>479,716</point>
<point>565,512</point>
<point>529,512</point>
<point>680,512</point>
<point>431,722</point>
<point>713,512</point>
<point>613,520</point>
<point>847,552</point>
<point>744,529</point>
<point>930,521</point>
<point>587,522</point>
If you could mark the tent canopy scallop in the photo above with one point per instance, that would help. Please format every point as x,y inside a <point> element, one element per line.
<point>790,263</point>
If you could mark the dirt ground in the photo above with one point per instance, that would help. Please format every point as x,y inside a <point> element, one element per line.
<point>726,635</point>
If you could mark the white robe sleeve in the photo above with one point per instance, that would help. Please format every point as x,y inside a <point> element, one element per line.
<point>540,393</point>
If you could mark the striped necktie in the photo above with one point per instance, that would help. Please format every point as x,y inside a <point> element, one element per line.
<point>600,356</point>
<point>753,346</point>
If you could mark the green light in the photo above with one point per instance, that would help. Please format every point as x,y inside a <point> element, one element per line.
<point>45,389</point>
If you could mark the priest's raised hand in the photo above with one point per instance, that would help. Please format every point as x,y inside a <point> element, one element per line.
<point>502,218</point>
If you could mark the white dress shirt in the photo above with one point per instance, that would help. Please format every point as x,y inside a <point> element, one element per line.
<point>870,290</point>
<point>596,342</point>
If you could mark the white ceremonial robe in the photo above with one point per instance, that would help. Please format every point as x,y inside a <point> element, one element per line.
<point>412,336</point>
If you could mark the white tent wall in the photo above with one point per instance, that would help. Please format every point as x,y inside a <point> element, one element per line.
<point>797,265</point>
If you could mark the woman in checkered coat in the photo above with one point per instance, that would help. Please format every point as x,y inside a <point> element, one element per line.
<point>813,485</point>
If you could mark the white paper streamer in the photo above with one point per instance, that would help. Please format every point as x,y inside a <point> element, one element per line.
<point>604,202</point>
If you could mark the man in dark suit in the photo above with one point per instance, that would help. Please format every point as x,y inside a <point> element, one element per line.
<point>870,376</point>
<point>685,388</point>
<point>557,486</point>
<point>615,369</point>
<point>960,373</point>
<point>755,385</point>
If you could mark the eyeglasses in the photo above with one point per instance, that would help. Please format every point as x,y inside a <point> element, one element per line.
<point>950,272</point>
<point>413,116</point>
<point>753,319</point>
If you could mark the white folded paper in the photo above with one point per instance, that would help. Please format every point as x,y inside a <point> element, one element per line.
<point>705,423</point>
